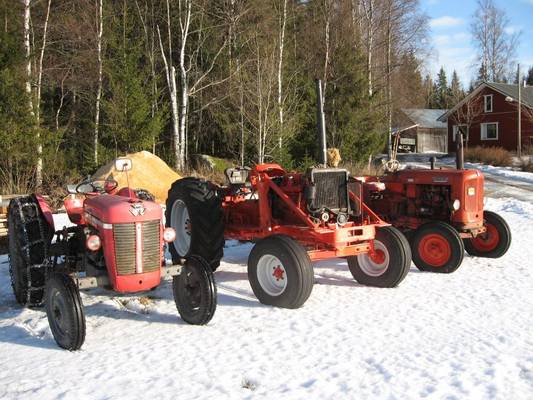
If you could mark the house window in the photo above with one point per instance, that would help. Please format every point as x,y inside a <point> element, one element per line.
<point>464,130</point>
<point>489,131</point>
<point>488,103</point>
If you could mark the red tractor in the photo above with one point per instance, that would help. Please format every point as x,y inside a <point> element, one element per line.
<point>441,212</point>
<point>116,242</point>
<point>293,219</point>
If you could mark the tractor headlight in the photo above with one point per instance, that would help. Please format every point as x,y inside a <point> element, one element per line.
<point>93,243</point>
<point>471,191</point>
<point>169,235</point>
<point>456,204</point>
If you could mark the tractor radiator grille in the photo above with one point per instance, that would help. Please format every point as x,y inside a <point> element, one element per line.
<point>331,189</point>
<point>126,251</point>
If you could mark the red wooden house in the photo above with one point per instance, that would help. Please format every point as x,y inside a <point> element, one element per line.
<point>488,117</point>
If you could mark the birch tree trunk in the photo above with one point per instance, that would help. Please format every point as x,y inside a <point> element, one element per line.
<point>99,88</point>
<point>170,73</point>
<point>184,89</point>
<point>389,72</point>
<point>327,14</point>
<point>283,20</point>
<point>368,6</point>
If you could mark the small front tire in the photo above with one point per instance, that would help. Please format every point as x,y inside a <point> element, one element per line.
<point>280,272</point>
<point>64,310</point>
<point>195,291</point>
<point>495,242</point>
<point>437,247</point>
<point>389,264</point>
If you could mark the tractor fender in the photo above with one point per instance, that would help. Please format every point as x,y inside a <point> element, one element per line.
<point>46,210</point>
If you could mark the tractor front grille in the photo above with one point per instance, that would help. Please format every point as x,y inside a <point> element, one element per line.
<point>331,187</point>
<point>126,247</point>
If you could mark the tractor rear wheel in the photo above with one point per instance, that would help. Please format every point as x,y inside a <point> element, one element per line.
<point>195,291</point>
<point>29,236</point>
<point>194,210</point>
<point>280,272</point>
<point>437,247</point>
<point>389,263</point>
<point>495,242</point>
<point>64,310</point>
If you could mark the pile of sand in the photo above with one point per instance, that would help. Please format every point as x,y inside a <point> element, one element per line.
<point>148,172</point>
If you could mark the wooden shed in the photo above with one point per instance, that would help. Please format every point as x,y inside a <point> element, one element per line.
<point>430,135</point>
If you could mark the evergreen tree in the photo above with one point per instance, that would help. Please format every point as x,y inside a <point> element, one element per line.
<point>456,90</point>
<point>529,77</point>
<point>128,122</point>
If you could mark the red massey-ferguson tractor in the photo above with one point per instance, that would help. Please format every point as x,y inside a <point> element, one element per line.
<point>293,219</point>
<point>441,212</point>
<point>116,242</point>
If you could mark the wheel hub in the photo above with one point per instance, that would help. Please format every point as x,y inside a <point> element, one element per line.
<point>271,275</point>
<point>278,273</point>
<point>488,240</point>
<point>375,263</point>
<point>434,250</point>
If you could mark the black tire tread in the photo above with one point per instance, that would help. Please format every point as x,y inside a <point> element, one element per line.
<point>296,296</point>
<point>78,327</point>
<point>207,219</point>
<point>501,249</point>
<point>399,271</point>
<point>207,310</point>
<point>455,242</point>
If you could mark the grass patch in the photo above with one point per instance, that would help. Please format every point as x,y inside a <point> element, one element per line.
<point>496,156</point>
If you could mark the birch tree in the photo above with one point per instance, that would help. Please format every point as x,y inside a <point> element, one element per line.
<point>99,33</point>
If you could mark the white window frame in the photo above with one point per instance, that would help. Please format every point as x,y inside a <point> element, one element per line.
<point>491,103</point>
<point>483,129</point>
<point>456,128</point>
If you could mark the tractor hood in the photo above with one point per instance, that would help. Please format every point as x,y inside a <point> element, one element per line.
<point>433,177</point>
<point>113,209</point>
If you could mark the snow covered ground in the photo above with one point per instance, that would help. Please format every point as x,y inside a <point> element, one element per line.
<point>467,335</point>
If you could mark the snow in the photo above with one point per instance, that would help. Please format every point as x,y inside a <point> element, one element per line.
<point>464,335</point>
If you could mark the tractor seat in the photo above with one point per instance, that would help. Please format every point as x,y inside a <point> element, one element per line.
<point>238,176</point>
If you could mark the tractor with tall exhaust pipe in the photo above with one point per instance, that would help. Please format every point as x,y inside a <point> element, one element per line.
<point>293,219</point>
<point>116,241</point>
<point>440,210</point>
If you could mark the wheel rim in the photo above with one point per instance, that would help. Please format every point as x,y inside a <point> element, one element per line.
<point>487,241</point>
<point>434,250</point>
<point>191,290</point>
<point>180,221</point>
<point>59,311</point>
<point>377,263</point>
<point>271,275</point>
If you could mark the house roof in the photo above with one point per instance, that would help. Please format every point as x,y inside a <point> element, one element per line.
<point>425,117</point>
<point>505,89</point>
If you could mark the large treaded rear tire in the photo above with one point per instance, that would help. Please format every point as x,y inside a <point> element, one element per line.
<point>437,247</point>
<point>391,264</point>
<point>294,283</point>
<point>195,292</point>
<point>495,242</point>
<point>29,236</point>
<point>64,310</point>
<point>206,226</point>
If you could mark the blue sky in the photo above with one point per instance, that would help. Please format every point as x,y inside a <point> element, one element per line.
<point>451,39</point>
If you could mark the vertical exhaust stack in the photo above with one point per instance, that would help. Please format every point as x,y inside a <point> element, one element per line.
<point>321,124</point>
<point>459,154</point>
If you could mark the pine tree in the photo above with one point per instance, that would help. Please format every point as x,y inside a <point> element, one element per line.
<point>128,122</point>
<point>529,77</point>
<point>456,90</point>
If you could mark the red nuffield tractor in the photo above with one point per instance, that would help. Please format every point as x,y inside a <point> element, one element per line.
<point>293,219</point>
<point>441,211</point>
<point>116,242</point>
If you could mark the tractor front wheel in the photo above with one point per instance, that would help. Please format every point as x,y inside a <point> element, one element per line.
<point>280,272</point>
<point>437,247</point>
<point>387,265</point>
<point>195,292</point>
<point>64,310</point>
<point>495,242</point>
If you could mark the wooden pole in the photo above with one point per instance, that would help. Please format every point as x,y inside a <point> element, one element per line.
<point>519,142</point>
